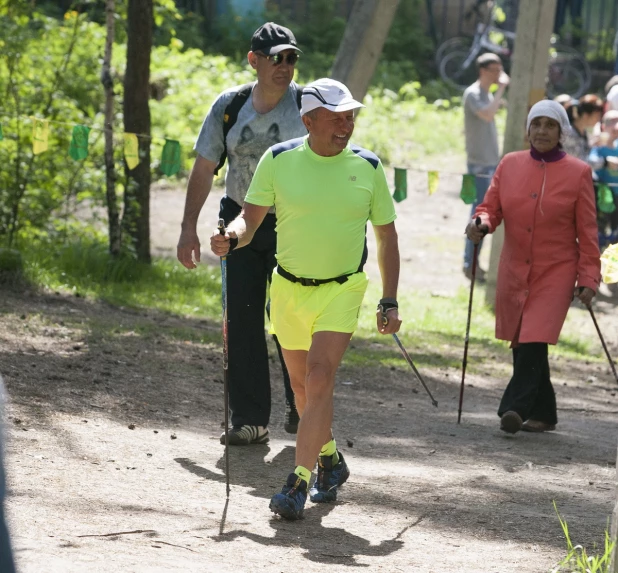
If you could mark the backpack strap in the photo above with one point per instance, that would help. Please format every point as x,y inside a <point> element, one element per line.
<point>230,115</point>
<point>299,95</point>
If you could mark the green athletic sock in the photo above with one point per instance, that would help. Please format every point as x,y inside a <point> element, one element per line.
<point>303,473</point>
<point>330,450</point>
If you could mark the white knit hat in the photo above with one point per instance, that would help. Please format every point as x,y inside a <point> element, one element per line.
<point>549,108</point>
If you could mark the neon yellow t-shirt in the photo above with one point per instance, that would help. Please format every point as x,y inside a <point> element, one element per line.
<point>322,204</point>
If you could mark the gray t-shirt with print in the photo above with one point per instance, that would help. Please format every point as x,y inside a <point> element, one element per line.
<point>481,136</point>
<point>251,135</point>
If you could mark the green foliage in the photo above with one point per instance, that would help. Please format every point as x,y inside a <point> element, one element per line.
<point>403,126</point>
<point>50,70</point>
<point>577,559</point>
<point>10,261</point>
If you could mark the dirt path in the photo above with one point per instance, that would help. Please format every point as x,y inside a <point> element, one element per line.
<point>115,466</point>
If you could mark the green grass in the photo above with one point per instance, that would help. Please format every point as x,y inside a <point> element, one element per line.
<point>85,269</point>
<point>577,559</point>
<point>433,330</point>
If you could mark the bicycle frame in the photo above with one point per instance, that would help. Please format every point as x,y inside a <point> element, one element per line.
<point>481,39</point>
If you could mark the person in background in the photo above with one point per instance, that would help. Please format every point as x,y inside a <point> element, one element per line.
<point>269,114</point>
<point>7,565</point>
<point>483,153</point>
<point>550,255</point>
<point>583,115</point>
<point>604,159</point>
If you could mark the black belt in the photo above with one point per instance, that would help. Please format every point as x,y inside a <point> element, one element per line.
<point>311,282</point>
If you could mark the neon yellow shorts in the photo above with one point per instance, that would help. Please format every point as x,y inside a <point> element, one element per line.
<point>297,311</point>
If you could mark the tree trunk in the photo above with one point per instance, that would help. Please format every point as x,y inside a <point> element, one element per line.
<point>110,171</point>
<point>530,60</point>
<point>136,218</point>
<point>362,43</point>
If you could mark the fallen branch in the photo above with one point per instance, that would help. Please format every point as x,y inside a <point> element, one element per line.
<point>120,533</point>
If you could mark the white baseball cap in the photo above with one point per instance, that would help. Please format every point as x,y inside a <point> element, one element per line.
<point>327,93</point>
<point>612,97</point>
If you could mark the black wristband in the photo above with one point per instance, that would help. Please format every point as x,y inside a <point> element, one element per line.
<point>387,304</point>
<point>233,244</point>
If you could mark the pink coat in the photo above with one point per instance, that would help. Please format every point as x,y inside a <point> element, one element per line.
<point>550,243</point>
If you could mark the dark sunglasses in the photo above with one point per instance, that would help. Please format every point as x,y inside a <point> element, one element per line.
<point>278,59</point>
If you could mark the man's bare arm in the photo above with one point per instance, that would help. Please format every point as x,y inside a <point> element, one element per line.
<point>198,188</point>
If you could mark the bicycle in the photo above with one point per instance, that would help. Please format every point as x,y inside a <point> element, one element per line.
<point>568,71</point>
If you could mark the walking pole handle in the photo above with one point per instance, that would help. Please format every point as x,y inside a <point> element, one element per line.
<point>221,227</point>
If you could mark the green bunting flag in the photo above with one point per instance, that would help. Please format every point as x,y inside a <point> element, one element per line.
<point>78,149</point>
<point>432,181</point>
<point>605,199</point>
<point>401,184</point>
<point>170,158</point>
<point>468,189</point>
<point>1,134</point>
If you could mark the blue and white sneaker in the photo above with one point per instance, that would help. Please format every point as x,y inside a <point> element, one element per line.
<point>329,479</point>
<point>290,503</point>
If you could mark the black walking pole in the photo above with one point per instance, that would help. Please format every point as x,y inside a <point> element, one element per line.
<point>418,374</point>
<point>611,362</point>
<point>409,360</point>
<point>226,406</point>
<point>467,341</point>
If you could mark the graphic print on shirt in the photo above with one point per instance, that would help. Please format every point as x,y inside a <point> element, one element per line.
<point>250,147</point>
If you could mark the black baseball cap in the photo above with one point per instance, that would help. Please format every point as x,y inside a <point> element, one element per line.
<point>272,39</point>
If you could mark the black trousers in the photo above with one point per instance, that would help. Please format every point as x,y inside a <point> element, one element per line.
<point>530,392</point>
<point>249,270</point>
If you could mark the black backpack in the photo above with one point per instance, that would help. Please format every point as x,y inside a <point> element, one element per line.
<point>230,115</point>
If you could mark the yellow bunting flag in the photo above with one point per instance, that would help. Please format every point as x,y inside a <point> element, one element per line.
<point>131,150</point>
<point>609,264</point>
<point>432,181</point>
<point>40,134</point>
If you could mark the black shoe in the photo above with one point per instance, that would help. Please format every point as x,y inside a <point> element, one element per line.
<point>290,503</point>
<point>511,422</point>
<point>291,418</point>
<point>245,435</point>
<point>330,477</point>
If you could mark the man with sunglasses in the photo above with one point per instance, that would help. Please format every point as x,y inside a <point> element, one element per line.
<point>268,115</point>
<point>325,190</point>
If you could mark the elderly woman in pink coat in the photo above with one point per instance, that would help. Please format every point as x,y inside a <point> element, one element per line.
<point>546,200</point>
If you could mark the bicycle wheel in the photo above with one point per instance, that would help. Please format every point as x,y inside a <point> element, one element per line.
<point>452,70</point>
<point>457,44</point>
<point>568,73</point>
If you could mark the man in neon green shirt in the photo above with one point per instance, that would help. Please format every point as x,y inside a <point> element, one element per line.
<point>324,191</point>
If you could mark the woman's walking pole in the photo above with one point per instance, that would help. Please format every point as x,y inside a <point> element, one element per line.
<point>226,406</point>
<point>611,362</point>
<point>465,356</point>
